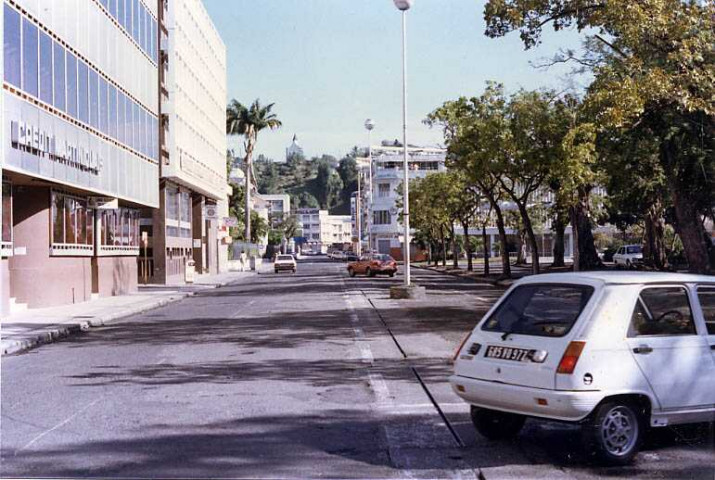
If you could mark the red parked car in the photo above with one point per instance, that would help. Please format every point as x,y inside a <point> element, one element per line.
<point>373,264</point>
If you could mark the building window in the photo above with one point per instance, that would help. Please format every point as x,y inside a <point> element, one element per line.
<point>128,125</point>
<point>71,85</point>
<point>119,232</point>
<point>120,13</point>
<point>12,45</point>
<point>120,116</point>
<point>103,106</point>
<point>70,217</point>
<point>383,190</point>
<point>6,219</point>
<point>59,77</point>
<point>93,99</point>
<point>382,217</point>
<point>29,57</point>
<point>82,92</point>
<point>45,68</point>
<point>112,130</point>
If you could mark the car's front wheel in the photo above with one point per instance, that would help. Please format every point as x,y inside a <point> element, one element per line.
<point>392,274</point>
<point>369,272</point>
<point>351,272</point>
<point>614,432</point>
<point>496,425</point>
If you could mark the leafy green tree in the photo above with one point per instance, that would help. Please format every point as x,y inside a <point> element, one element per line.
<point>653,65</point>
<point>248,121</point>
<point>328,185</point>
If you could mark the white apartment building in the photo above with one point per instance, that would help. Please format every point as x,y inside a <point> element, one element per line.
<point>383,227</point>
<point>278,207</point>
<point>321,230</point>
<point>194,187</point>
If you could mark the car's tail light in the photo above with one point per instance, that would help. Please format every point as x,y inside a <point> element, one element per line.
<point>570,358</point>
<point>461,344</point>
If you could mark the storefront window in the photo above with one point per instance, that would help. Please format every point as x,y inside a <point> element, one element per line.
<point>12,45</point>
<point>29,57</point>
<point>117,227</point>
<point>70,220</point>
<point>45,68</point>
<point>59,77</point>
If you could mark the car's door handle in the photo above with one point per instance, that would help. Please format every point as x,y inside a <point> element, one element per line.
<point>642,349</point>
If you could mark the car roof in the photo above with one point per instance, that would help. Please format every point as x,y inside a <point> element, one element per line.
<point>611,277</point>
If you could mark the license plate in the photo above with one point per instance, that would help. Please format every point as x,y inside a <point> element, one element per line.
<point>507,353</point>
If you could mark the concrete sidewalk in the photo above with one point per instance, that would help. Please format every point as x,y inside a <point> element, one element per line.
<point>30,328</point>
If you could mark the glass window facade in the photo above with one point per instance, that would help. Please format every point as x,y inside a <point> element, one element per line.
<point>12,46</point>
<point>29,57</point>
<point>42,67</point>
<point>119,228</point>
<point>71,221</point>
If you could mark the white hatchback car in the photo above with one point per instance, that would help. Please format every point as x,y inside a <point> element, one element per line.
<point>285,262</point>
<point>616,352</point>
<point>628,256</point>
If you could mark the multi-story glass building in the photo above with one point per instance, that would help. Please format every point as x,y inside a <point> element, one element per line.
<point>80,146</point>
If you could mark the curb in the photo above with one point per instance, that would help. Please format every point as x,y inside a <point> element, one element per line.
<point>85,323</point>
<point>505,282</point>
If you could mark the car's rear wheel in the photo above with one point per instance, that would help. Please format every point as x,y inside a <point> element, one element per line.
<point>369,272</point>
<point>351,272</point>
<point>496,425</point>
<point>628,264</point>
<point>392,274</point>
<point>614,432</point>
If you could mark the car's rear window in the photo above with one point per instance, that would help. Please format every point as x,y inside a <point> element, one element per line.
<point>634,249</point>
<point>544,310</point>
<point>285,257</point>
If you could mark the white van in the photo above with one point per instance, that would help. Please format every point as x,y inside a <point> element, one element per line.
<point>613,351</point>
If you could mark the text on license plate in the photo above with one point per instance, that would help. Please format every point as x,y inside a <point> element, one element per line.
<point>507,353</point>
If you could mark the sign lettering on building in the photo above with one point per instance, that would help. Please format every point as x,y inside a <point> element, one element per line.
<point>34,140</point>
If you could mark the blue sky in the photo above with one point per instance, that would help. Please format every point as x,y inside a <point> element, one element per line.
<point>330,64</point>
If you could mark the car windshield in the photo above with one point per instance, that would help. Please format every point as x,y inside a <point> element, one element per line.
<point>634,249</point>
<point>382,258</point>
<point>285,258</point>
<point>541,310</point>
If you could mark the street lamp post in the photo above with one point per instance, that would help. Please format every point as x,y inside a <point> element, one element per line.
<point>403,6</point>
<point>369,125</point>
<point>358,213</point>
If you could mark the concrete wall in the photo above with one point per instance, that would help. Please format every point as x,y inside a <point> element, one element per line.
<point>116,275</point>
<point>36,278</point>
<point>4,286</point>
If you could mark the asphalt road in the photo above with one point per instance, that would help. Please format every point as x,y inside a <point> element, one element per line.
<point>286,376</point>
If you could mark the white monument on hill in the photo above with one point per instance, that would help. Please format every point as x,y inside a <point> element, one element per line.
<point>294,149</point>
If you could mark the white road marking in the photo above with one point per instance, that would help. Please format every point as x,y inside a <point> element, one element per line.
<point>63,422</point>
<point>382,393</point>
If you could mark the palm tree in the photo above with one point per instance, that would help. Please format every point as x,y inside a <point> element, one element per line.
<point>247,122</point>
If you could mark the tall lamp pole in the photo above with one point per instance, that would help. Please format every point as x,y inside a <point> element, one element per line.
<point>403,6</point>
<point>358,213</point>
<point>369,125</point>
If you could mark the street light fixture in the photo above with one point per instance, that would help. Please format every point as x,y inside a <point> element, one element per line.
<point>403,6</point>
<point>369,125</point>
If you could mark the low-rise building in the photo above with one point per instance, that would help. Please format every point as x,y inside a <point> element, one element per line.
<point>322,230</point>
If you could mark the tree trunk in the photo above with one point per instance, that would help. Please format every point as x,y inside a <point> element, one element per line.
<point>468,246</point>
<point>506,267</point>
<point>696,245</point>
<point>559,228</point>
<point>585,255</point>
<point>486,249</point>
<point>535,267</point>
<point>444,246</point>
<point>654,237</point>
<point>455,247</point>
<point>520,247</point>
<point>691,233</point>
